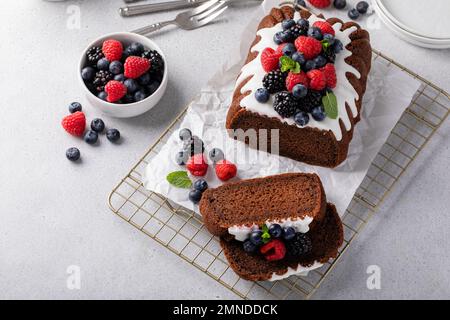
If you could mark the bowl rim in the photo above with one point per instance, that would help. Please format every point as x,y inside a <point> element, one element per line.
<point>108,35</point>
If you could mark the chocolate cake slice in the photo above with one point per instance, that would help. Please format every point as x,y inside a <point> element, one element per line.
<point>309,131</point>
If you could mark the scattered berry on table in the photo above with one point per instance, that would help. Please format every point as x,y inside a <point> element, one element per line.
<point>185,134</point>
<point>103,64</point>
<point>144,80</point>
<point>262,95</point>
<point>310,47</point>
<point>74,107</point>
<point>275,231</point>
<point>98,125</point>
<point>301,118</point>
<point>137,48</point>
<point>120,77</point>
<point>320,3</point>
<point>249,247</point>
<point>73,154</point>
<point>299,245</point>
<point>201,185</point>
<point>225,170</point>
<point>116,67</point>
<point>274,81</point>
<point>216,155</point>
<point>285,104</point>
<point>156,60</point>
<point>256,237</point>
<point>116,90</point>
<point>140,95</point>
<point>136,67</point>
<point>298,57</point>
<point>315,33</point>
<point>270,59</point>
<point>299,91</point>
<point>102,77</point>
<point>274,250</point>
<point>325,27</point>
<point>318,113</point>
<point>113,135</point>
<point>317,80</point>
<point>353,14</point>
<point>289,49</point>
<point>91,137</point>
<point>112,49</point>
<point>181,158</point>
<point>296,78</point>
<point>362,7</point>
<point>197,165</point>
<point>131,85</point>
<point>88,74</point>
<point>194,145</point>
<point>287,24</point>
<point>289,233</point>
<point>75,123</point>
<point>93,55</point>
<point>340,4</point>
<point>195,196</point>
<point>102,95</point>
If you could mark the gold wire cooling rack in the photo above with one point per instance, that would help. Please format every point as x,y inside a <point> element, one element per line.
<point>182,231</point>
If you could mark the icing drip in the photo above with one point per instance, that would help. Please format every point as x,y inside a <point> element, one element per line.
<point>344,91</point>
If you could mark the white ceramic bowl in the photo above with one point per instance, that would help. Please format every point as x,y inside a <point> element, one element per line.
<point>131,109</point>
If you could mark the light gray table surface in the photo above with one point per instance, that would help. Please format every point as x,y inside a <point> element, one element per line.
<point>53,214</point>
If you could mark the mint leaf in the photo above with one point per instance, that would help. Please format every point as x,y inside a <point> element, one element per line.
<point>329,102</point>
<point>179,179</point>
<point>325,45</point>
<point>297,68</point>
<point>287,64</point>
<point>265,236</point>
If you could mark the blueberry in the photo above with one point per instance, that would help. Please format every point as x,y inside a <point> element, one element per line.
<point>310,65</point>
<point>353,14</point>
<point>144,80</point>
<point>98,125</point>
<point>131,85</point>
<point>153,86</point>
<point>298,57</point>
<point>120,77</point>
<point>73,154</point>
<point>301,118</point>
<point>316,33</point>
<point>286,36</point>
<point>102,95</point>
<point>287,24</point>
<point>256,237</point>
<point>320,61</point>
<point>289,49</point>
<point>116,67</point>
<point>103,64</point>
<point>195,196</point>
<point>128,98</point>
<point>299,91</point>
<point>338,46</point>
<point>277,38</point>
<point>275,230</point>
<point>201,185</point>
<point>329,38</point>
<point>137,49</point>
<point>300,3</point>
<point>318,113</point>
<point>181,158</point>
<point>262,95</point>
<point>216,155</point>
<point>289,233</point>
<point>362,7</point>
<point>194,145</point>
<point>303,23</point>
<point>185,134</point>
<point>340,4</point>
<point>74,107</point>
<point>249,247</point>
<point>91,137</point>
<point>140,95</point>
<point>126,53</point>
<point>88,74</point>
<point>113,135</point>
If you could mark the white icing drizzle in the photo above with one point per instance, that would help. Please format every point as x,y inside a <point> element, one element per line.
<point>242,233</point>
<point>300,271</point>
<point>344,91</point>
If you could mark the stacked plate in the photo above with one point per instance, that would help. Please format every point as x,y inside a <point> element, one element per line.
<point>420,22</point>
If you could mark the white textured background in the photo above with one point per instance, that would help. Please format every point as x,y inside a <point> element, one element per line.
<point>53,213</point>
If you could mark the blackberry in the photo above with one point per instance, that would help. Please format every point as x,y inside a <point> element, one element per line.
<point>310,101</point>
<point>330,55</point>
<point>298,31</point>
<point>94,54</point>
<point>102,77</point>
<point>300,245</point>
<point>157,62</point>
<point>274,81</point>
<point>285,104</point>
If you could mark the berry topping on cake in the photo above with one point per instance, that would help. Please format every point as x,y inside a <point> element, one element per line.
<point>275,231</point>
<point>270,59</point>
<point>320,3</point>
<point>274,250</point>
<point>309,47</point>
<point>324,27</point>
<point>274,81</point>
<point>197,165</point>
<point>136,67</point>
<point>249,247</point>
<point>296,78</point>
<point>112,50</point>
<point>317,80</point>
<point>75,123</point>
<point>299,245</point>
<point>330,75</point>
<point>262,95</point>
<point>256,237</point>
<point>289,233</point>
<point>301,118</point>
<point>225,170</point>
<point>313,99</point>
<point>285,104</point>
<point>318,113</point>
<point>115,90</point>
<point>299,91</point>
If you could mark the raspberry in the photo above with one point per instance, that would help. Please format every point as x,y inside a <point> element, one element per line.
<point>225,170</point>
<point>270,59</point>
<point>330,75</point>
<point>320,3</point>
<point>317,80</point>
<point>325,27</point>
<point>274,250</point>
<point>197,165</point>
<point>136,67</point>
<point>112,49</point>
<point>310,47</point>
<point>75,123</point>
<point>296,78</point>
<point>115,90</point>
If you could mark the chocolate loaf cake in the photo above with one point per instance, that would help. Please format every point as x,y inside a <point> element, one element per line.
<point>311,130</point>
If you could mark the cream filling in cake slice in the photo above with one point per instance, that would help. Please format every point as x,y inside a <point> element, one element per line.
<point>344,91</point>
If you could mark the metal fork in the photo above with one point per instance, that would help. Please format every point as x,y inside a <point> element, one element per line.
<point>191,19</point>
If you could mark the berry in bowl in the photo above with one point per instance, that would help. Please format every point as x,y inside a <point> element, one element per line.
<point>123,74</point>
